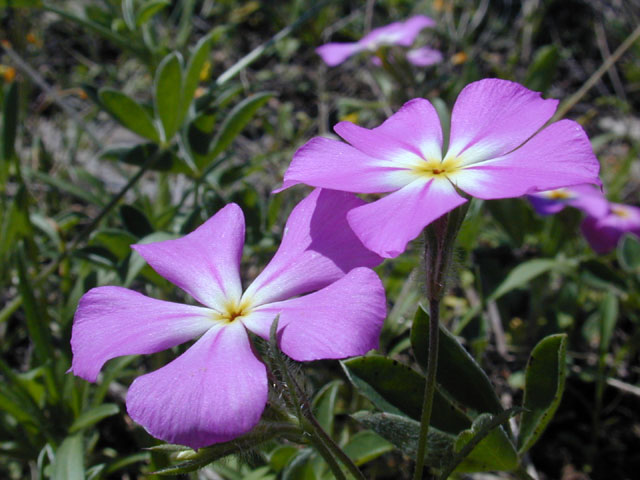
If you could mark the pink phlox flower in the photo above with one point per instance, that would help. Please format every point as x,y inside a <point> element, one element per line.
<point>330,306</point>
<point>586,198</point>
<point>604,232</point>
<point>396,33</point>
<point>424,56</point>
<point>496,150</point>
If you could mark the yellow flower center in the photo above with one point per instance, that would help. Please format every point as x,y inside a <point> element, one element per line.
<point>437,168</point>
<point>233,310</point>
<point>620,212</point>
<point>559,194</point>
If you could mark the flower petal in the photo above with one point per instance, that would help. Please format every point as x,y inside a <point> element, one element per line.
<point>326,163</point>
<point>335,53</point>
<point>387,225</point>
<point>491,117</point>
<point>558,156</point>
<point>212,393</point>
<point>424,56</point>
<point>318,247</point>
<point>341,320</point>
<point>416,124</point>
<point>378,145</point>
<point>397,33</point>
<point>115,321</point>
<point>603,233</point>
<point>206,262</point>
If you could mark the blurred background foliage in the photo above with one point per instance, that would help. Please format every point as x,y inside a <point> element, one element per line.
<point>126,121</point>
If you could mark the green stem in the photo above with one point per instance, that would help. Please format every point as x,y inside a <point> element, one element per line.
<point>430,386</point>
<point>333,446</point>
<point>322,449</point>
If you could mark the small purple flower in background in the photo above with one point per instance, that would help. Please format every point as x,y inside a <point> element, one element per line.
<point>217,389</point>
<point>587,198</point>
<point>396,33</point>
<point>603,232</point>
<point>424,56</point>
<point>495,151</point>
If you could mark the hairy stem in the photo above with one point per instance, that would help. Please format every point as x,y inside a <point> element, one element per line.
<point>430,386</point>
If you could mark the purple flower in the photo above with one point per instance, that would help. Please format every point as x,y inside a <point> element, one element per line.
<point>495,151</point>
<point>424,56</point>
<point>396,33</point>
<point>603,232</point>
<point>587,198</point>
<point>217,389</point>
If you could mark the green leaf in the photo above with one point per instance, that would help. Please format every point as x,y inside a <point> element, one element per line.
<point>542,69</point>
<point>36,318</point>
<point>233,124</point>
<point>116,241</point>
<point>68,187</point>
<point>629,253</point>
<point>200,55</point>
<point>168,94</point>
<point>68,462</point>
<point>148,9</point>
<point>9,122</point>
<point>20,3</point>
<point>366,446</point>
<point>458,373</point>
<point>135,221</point>
<point>129,113</point>
<point>396,388</point>
<point>324,405</point>
<point>92,416</point>
<point>544,385</point>
<point>404,433</point>
<point>128,14</point>
<point>521,275</point>
<point>487,446</point>
<point>608,317</point>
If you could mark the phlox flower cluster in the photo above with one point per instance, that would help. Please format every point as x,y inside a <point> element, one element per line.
<point>330,305</point>
<point>396,33</point>
<point>604,223</point>
<point>498,148</point>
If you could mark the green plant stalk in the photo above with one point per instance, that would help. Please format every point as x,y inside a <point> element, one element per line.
<point>333,446</point>
<point>322,449</point>
<point>329,449</point>
<point>439,238</point>
<point>430,387</point>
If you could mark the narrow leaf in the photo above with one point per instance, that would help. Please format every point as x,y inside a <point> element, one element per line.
<point>324,405</point>
<point>544,385</point>
<point>523,274</point>
<point>629,253</point>
<point>9,122</point>
<point>36,319</point>
<point>366,446</point>
<point>92,416</point>
<point>201,53</point>
<point>129,113</point>
<point>458,373</point>
<point>68,462</point>
<point>237,119</point>
<point>168,94</point>
<point>148,9</point>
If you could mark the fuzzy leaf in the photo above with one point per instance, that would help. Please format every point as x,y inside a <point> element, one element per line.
<point>544,385</point>
<point>458,373</point>
<point>398,389</point>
